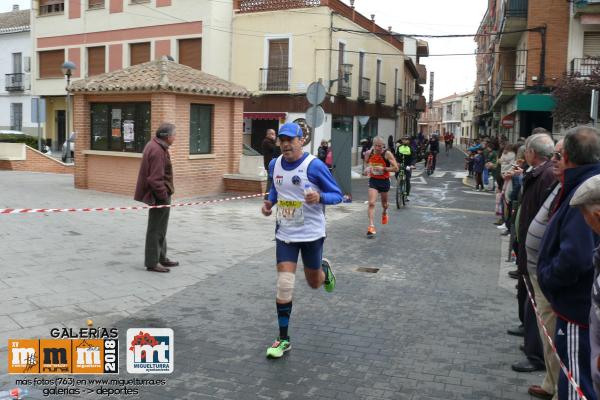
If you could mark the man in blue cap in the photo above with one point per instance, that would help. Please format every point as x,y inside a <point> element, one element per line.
<point>302,186</point>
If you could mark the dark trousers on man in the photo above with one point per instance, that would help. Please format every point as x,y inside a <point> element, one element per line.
<point>156,235</point>
<point>533,346</point>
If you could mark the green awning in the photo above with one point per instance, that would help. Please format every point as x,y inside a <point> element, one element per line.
<point>535,102</point>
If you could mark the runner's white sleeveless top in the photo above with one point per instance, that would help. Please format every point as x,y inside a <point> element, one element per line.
<point>296,220</point>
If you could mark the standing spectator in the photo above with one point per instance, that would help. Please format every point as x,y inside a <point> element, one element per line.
<point>155,187</point>
<point>532,243</point>
<point>537,181</point>
<point>587,198</point>
<point>270,150</point>
<point>323,150</point>
<point>565,267</point>
<point>478,167</point>
<point>390,144</point>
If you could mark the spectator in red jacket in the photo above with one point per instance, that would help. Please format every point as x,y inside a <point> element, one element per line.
<point>155,187</point>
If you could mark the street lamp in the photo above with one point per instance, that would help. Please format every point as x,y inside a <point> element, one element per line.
<point>67,69</point>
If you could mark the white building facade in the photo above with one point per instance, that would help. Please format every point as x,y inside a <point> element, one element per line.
<point>15,63</point>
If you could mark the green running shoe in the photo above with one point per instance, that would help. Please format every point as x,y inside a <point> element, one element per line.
<point>278,348</point>
<point>329,275</point>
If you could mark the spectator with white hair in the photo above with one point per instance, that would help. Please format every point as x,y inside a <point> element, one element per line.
<point>537,181</point>
<point>565,267</point>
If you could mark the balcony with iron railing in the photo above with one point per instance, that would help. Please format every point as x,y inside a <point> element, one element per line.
<point>344,81</point>
<point>510,78</point>
<point>586,7</point>
<point>15,82</point>
<point>364,89</point>
<point>380,93</point>
<point>584,67</point>
<point>514,19</point>
<point>398,99</point>
<point>275,79</point>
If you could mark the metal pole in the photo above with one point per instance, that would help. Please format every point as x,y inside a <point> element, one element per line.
<point>67,122</point>
<point>39,128</point>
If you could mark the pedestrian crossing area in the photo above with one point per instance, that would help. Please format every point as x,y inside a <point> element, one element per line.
<point>441,174</point>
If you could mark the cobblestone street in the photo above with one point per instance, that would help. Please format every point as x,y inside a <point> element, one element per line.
<point>430,324</point>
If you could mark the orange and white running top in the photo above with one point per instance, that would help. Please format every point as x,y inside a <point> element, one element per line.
<point>377,163</point>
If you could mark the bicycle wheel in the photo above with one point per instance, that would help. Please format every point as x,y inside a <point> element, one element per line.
<point>398,193</point>
<point>402,188</point>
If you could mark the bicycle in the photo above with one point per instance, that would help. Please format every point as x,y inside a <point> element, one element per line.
<point>429,164</point>
<point>401,187</point>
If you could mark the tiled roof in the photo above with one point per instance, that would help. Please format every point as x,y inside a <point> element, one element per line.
<point>160,75</point>
<point>14,21</point>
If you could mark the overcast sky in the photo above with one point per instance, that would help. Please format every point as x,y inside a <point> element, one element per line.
<point>435,17</point>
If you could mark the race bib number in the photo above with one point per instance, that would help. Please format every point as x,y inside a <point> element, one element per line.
<point>290,213</point>
<point>377,169</point>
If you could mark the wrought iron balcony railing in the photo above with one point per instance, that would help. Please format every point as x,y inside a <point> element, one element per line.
<point>381,90</point>
<point>364,91</point>
<point>584,66</point>
<point>15,82</point>
<point>398,100</point>
<point>344,83</point>
<point>275,79</point>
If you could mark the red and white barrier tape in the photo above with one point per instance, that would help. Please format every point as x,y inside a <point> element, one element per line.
<point>567,373</point>
<point>60,210</point>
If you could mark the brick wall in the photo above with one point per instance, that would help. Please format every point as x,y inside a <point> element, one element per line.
<point>36,162</point>
<point>193,177</point>
<point>555,15</point>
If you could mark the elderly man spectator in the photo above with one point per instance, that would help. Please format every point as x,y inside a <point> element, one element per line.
<point>587,198</point>
<point>536,184</point>
<point>565,267</point>
<point>547,390</point>
<point>270,150</point>
<point>155,187</point>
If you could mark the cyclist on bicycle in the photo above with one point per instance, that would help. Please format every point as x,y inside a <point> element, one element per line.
<point>406,160</point>
<point>434,149</point>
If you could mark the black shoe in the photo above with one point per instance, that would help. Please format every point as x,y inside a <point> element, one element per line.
<point>514,274</point>
<point>518,331</point>
<point>169,263</point>
<point>527,366</point>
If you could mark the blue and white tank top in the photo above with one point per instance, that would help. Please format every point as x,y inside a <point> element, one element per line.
<point>296,220</point>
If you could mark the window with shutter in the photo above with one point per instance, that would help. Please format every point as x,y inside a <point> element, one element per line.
<point>50,63</point>
<point>139,53</point>
<point>190,53</point>
<point>96,60</point>
<point>94,4</point>
<point>278,72</point>
<point>51,7</point>
<point>591,44</point>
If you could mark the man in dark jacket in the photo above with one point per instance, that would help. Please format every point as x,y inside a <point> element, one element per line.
<point>537,183</point>
<point>155,187</point>
<point>565,267</point>
<point>269,148</point>
<point>587,198</point>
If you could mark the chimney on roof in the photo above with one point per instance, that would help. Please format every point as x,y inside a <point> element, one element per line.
<point>15,7</point>
<point>373,17</point>
<point>352,4</point>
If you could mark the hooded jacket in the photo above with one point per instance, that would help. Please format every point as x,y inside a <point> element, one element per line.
<point>565,267</point>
